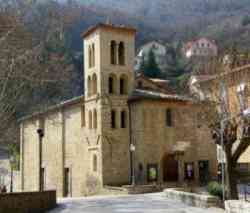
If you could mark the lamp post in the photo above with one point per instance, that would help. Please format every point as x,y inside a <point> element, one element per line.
<point>40,135</point>
<point>132,150</point>
<point>12,161</point>
<point>223,161</point>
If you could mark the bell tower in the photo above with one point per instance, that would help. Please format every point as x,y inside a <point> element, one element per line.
<point>108,63</point>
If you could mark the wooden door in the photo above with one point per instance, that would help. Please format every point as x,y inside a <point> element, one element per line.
<point>170,169</point>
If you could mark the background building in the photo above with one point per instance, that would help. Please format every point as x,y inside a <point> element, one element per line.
<point>201,47</point>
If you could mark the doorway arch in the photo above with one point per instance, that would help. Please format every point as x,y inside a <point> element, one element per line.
<point>169,168</point>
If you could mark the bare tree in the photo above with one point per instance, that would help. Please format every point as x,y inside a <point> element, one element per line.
<point>230,128</point>
<point>25,69</point>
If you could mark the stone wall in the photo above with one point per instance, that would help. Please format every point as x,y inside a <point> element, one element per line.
<point>154,140</point>
<point>192,199</point>
<point>237,206</point>
<point>32,202</point>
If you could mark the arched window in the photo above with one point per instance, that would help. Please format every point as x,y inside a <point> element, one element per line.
<point>123,85</point>
<point>94,163</point>
<point>83,115</point>
<point>113,52</point>
<point>113,119</point>
<point>90,119</point>
<point>90,56</point>
<point>123,119</point>
<point>93,55</point>
<point>95,119</point>
<point>121,53</point>
<point>169,118</point>
<point>112,84</point>
<point>89,86</point>
<point>94,84</point>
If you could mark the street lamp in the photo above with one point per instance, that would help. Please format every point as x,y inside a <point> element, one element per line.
<point>132,150</point>
<point>40,135</point>
<point>12,162</point>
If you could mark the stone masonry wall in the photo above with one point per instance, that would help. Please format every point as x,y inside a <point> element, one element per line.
<point>32,202</point>
<point>153,140</point>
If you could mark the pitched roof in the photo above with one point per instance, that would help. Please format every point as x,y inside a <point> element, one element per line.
<point>140,94</point>
<point>69,102</point>
<point>109,27</point>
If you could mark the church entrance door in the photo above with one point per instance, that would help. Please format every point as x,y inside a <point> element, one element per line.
<point>170,168</point>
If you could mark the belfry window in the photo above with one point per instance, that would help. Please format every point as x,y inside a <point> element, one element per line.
<point>113,52</point>
<point>113,119</point>
<point>90,119</point>
<point>121,53</point>
<point>83,115</point>
<point>112,84</point>
<point>169,118</point>
<point>89,86</point>
<point>123,85</point>
<point>95,119</point>
<point>94,84</point>
<point>90,56</point>
<point>123,119</point>
<point>93,55</point>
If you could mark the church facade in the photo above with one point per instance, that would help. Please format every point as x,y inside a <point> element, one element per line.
<point>124,129</point>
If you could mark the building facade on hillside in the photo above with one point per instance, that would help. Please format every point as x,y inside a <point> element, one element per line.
<point>234,88</point>
<point>160,53</point>
<point>201,47</point>
<point>121,127</point>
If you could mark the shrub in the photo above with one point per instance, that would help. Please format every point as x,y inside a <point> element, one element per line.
<point>215,189</point>
<point>245,21</point>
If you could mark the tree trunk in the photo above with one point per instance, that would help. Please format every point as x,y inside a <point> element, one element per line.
<point>231,177</point>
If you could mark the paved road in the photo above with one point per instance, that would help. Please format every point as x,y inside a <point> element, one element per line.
<point>147,203</point>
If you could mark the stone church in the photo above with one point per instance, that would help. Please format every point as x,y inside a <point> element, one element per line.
<point>123,130</point>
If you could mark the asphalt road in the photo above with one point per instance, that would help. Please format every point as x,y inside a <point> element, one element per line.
<point>146,203</point>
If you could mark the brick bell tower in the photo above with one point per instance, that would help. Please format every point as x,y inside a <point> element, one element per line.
<point>109,60</point>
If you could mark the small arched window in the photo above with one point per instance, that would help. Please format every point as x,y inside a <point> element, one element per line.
<point>94,163</point>
<point>94,84</point>
<point>89,86</point>
<point>95,119</point>
<point>90,119</point>
<point>112,84</point>
<point>123,119</point>
<point>93,55</point>
<point>123,85</point>
<point>90,56</point>
<point>121,53</point>
<point>169,122</point>
<point>113,52</point>
<point>113,119</point>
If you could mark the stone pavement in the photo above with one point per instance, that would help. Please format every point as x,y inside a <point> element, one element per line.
<point>146,203</point>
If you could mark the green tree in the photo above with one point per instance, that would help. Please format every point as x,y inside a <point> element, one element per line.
<point>177,65</point>
<point>150,68</point>
<point>245,21</point>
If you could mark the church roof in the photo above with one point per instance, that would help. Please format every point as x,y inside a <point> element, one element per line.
<point>69,102</point>
<point>109,27</point>
<point>140,94</point>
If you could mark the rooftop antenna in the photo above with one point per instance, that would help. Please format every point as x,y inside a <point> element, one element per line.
<point>108,21</point>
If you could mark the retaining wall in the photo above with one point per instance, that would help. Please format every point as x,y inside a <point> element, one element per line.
<point>237,206</point>
<point>27,202</point>
<point>192,199</point>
